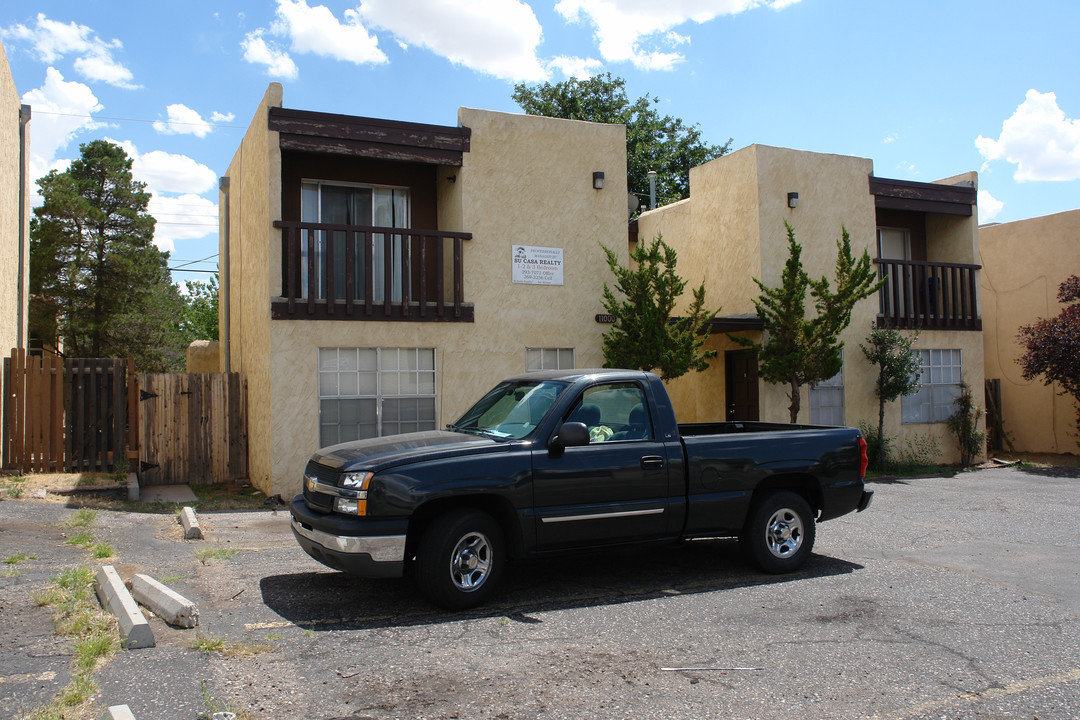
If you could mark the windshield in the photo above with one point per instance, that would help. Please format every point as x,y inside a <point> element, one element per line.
<point>511,410</point>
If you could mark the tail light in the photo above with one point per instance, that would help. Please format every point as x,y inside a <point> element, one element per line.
<point>863,460</point>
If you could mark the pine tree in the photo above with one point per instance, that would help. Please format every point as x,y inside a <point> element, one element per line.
<point>644,336</point>
<point>799,350</point>
<point>98,285</point>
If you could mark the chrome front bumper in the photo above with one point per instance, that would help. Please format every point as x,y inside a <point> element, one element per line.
<point>380,549</point>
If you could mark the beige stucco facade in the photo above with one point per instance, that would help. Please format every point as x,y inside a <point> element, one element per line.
<point>524,181</point>
<point>731,230</point>
<point>1024,262</point>
<point>14,212</point>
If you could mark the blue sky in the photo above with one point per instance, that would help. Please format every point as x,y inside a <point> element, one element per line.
<point>927,90</point>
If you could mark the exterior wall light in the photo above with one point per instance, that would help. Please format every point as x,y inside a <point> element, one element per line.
<point>793,199</point>
<point>598,180</point>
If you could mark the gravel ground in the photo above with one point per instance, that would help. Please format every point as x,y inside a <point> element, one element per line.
<point>951,597</point>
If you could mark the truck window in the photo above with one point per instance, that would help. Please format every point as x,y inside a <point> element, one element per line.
<point>613,412</point>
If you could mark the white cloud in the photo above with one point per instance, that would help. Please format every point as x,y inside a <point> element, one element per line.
<point>496,37</point>
<point>989,206</point>
<point>575,67</point>
<point>185,217</point>
<point>639,31</point>
<point>183,121</point>
<point>54,40</point>
<point>60,110</point>
<point>316,30</point>
<point>891,138</point>
<point>257,51</point>
<point>1038,139</point>
<point>220,117</point>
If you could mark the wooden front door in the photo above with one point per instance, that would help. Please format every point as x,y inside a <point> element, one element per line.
<point>742,385</point>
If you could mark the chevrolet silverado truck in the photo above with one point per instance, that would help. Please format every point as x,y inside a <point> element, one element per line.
<point>563,461</point>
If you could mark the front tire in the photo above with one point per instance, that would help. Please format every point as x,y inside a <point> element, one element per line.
<point>779,536</point>
<point>460,559</point>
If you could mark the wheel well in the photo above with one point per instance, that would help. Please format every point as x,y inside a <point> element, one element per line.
<point>498,508</point>
<point>805,485</point>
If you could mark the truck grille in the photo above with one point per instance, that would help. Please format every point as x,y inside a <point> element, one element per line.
<point>324,474</point>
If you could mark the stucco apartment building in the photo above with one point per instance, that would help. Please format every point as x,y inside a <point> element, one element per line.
<point>14,212</point>
<point>924,236</point>
<point>1024,262</point>
<point>380,276</point>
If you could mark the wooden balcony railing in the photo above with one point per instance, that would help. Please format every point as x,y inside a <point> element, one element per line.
<point>928,295</point>
<point>363,272</point>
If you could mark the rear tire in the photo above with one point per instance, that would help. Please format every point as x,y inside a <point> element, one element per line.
<point>460,559</point>
<point>779,535</point>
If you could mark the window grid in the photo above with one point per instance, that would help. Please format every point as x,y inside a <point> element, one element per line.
<point>537,359</point>
<point>369,392</point>
<point>935,400</point>
<point>827,400</point>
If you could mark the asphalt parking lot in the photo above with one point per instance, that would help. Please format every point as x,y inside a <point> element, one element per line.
<point>949,598</point>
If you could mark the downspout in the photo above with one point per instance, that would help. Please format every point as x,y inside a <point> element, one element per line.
<point>224,289</point>
<point>21,297</point>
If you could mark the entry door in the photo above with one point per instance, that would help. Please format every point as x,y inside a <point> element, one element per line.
<point>742,385</point>
<point>615,488</point>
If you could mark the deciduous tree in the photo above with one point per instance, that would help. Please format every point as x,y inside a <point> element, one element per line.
<point>98,285</point>
<point>800,350</point>
<point>898,373</point>
<point>653,142</point>
<point>645,336</point>
<point>1052,346</point>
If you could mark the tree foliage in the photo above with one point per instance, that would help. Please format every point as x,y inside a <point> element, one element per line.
<point>653,142</point>
<point>800,350</point>
<point>898,372</point>
<point>200,316</point>
<point>1052,345</point>
<point>644,336</point>
<point>98,285</point>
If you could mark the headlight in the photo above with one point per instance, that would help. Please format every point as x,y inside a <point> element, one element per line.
<point>356,480</point>
<point>351,506</point>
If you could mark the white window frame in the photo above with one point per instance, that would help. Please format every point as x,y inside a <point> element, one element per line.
<point>821,392</point>
<point>941,372</point>
<point>387,384</point>
<point>537,359</point>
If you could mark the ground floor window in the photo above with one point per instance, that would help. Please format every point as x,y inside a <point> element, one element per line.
<point>935,401</point>
<point>369,392</point>
<point>549,359</point>
<point>827,401</point>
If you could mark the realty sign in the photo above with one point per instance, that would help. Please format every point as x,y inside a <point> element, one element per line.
<point>537,265</point>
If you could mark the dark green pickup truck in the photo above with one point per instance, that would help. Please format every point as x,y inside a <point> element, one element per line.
<point>558,462</point>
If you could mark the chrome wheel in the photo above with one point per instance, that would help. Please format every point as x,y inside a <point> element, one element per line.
<point>784,533</point>
<point>470,561</point>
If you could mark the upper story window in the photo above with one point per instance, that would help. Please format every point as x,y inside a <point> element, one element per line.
<point>356,205</point>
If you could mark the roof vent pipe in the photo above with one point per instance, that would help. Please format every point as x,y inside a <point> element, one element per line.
<point>652,189</point>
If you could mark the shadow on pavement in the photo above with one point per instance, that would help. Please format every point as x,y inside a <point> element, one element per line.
<point>1056,471</point>
<point>335,601</point>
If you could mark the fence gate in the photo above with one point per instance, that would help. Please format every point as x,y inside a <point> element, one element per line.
<point>65,415</point>
<point>192,428</point>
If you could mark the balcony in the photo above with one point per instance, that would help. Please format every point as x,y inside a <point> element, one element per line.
<point>358,272</point>
<point>921,295</point>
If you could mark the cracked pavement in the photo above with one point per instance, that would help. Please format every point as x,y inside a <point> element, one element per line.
<point>950,597</point>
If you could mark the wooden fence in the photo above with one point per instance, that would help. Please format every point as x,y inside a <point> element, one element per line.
<point>66,415</point>
<point>192,428</point>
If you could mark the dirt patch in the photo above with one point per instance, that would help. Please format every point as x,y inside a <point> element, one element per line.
<point>59,487</point>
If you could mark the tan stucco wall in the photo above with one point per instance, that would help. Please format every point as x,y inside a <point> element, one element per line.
<point>526,180</point>
<point>736,214</point>
<point>254,202</point>
<point>202,356</point>
<point>1024,262</point>
<point>14,215</point>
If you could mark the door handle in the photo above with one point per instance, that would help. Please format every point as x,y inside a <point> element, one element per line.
<point>652,462</point>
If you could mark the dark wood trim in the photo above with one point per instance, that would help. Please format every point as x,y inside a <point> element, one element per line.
<point>279,310</point>
<point>307,131</point>
<point>923,197</point>
<point>735,323</point>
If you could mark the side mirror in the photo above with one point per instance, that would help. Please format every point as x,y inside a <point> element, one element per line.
<point>571,434</point>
